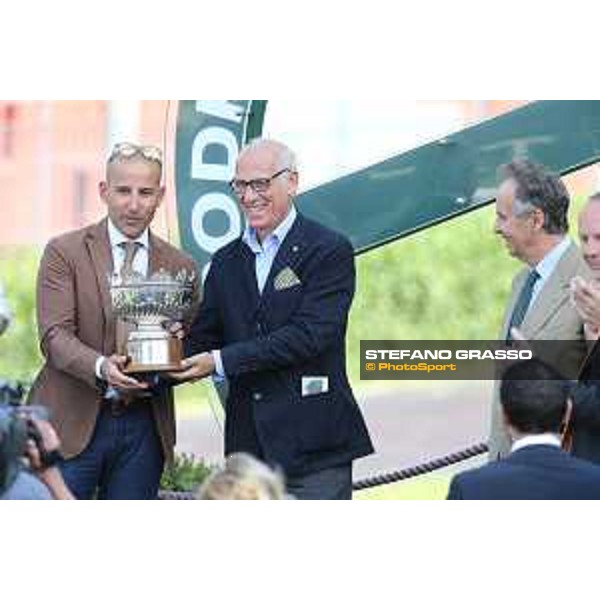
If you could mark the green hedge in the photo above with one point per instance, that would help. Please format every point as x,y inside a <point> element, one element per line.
<point>20,357</point>
<point>185,474</point>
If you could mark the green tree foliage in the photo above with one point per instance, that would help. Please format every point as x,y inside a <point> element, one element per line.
<point>448,282</point>
<point>20,357</point>
<point>185,474</point>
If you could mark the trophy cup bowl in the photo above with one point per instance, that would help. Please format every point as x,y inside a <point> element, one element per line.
<point>147,305</point>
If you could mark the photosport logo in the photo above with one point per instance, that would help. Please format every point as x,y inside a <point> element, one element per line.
<point>453,360</point>
<point>210,134</point>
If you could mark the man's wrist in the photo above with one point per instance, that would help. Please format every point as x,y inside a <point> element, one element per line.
<point>53,480</point>
<point>50,459</point>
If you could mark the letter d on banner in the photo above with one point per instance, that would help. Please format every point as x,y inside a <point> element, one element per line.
<point>210,134</point>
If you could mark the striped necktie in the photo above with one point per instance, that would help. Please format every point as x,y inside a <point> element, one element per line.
<point>130,249</point>
<point>127,271</point>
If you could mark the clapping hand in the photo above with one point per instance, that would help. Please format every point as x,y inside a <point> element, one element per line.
<point>585,296</point>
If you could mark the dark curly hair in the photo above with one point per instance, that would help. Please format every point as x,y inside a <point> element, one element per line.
<point>537,187</point>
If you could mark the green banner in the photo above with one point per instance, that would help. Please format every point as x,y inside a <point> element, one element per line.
<point>385,201</point>
<point>455,174</point>
<point>210,134</point>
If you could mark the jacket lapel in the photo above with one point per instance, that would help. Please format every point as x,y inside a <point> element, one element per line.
<point>100,253</point>
<point>552,296</point>
<point>156,255</point>
<point>247,277</point>
<point>288,255</point>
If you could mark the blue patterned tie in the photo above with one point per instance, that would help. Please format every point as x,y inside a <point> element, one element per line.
<point>522,302</point>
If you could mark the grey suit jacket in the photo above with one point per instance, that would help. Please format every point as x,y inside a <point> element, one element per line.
<point>550,317</point>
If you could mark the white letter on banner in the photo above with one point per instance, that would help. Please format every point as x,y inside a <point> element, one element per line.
<point>214,172</point>
<point>223,110</point>
<point>215,201</point>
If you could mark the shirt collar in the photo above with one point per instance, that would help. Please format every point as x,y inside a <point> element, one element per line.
<point>538,439</point>
<point>116,237</point>
<point>549,262</point>
<point>278,234</point>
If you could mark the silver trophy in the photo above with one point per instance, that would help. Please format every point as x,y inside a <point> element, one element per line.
<point>147,305</point>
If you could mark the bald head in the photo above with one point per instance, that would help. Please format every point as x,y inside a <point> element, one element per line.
<point>589,233</point>
<point>282,156</point>
<point>266,183</point>
<point>126,152</point>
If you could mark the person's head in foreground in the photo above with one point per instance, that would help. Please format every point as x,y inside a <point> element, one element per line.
<point>243,477</point>
<point>534,398</point>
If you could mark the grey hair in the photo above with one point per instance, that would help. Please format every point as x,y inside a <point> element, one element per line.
<point>538,188</point>
<point>286,157</point>
<point>522,207</point>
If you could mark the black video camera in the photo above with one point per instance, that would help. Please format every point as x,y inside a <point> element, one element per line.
<point>16,428</point>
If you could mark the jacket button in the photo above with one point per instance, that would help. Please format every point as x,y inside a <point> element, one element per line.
<point>257,396</point>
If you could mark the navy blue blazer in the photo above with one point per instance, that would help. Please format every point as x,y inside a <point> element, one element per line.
<point>541,472</point>
<point>270,342</point>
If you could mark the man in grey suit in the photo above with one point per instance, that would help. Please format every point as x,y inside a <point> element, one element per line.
<point>531,216</point>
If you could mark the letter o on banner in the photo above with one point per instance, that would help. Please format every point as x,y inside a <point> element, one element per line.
<point>221,202</point>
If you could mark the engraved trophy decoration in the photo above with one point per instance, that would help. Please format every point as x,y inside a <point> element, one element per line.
<point>147,304</point>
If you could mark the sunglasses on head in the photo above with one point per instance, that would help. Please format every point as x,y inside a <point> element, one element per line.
<point>129,150</point>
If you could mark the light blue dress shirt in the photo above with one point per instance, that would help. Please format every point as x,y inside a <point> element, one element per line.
<point>264,254</point>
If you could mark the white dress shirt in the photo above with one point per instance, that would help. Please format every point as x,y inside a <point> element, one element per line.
<point>140,262</point>
<point>141,258</point>
<point>537,439</point>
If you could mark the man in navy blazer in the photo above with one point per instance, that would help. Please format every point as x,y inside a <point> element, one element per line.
<point>273,322</point>
<point>535,403</point>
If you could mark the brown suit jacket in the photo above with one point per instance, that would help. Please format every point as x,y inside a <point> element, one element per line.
<point>76,325</point>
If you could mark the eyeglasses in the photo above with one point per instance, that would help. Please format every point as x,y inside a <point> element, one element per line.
<point>260,186</point>
<point>129,150</point>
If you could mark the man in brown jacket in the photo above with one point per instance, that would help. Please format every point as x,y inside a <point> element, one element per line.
<point>116,431</point>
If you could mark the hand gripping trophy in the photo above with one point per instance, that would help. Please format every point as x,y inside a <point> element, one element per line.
<point>148,305</point>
